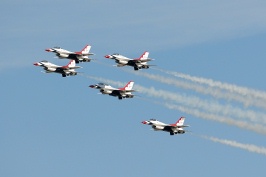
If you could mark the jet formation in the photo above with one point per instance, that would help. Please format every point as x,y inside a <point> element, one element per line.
<point>106,89</point>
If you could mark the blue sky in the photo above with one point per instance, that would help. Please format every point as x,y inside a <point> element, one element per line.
<point>54,126</point>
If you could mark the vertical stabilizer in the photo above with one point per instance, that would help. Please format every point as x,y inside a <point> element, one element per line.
<point>145,55</point>
<point>180,121</point>
<point>129,86</point>
<point>86,49</point>
<point>72,63</point>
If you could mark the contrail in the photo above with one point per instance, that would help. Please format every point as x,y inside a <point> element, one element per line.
<point>248,147</point>
<point>219,93</point>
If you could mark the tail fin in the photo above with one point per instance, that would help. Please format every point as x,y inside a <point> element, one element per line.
<point>86,49</point>
<point>180,121</point>
<point>145,55</point>
<point>129,86</point>
<point>72,63</point>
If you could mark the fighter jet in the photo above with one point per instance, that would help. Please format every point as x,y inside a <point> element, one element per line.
<point>139,63</point>
<point>81,56</point>
<point>121,93</point>
<point>176,128</point>
<point>68,70</point>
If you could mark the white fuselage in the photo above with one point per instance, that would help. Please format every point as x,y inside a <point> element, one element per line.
<point>160,126</point>
<point>125,92</point>
<point>52,68</point>
<point>65,54</point>
<point>122,61</point>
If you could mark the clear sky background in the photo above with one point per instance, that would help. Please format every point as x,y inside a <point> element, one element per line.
<point>59,127</point>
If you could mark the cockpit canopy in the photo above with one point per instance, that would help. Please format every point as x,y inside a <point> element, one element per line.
<point>44,61</point>
<point>116,54</point>
<point>102,84</point>
<point>57,47</point>
<point>153,119</point>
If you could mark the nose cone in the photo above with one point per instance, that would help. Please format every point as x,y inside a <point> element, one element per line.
<point>48,50</point>
<point>36,64</point>
<point>91,86</point>
<point>144,122</point>
<point>107,56</point>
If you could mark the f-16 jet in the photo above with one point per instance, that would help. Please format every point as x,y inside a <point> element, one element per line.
<point>139,63</point>
<point>176,128</point>
<point>68,70</point>
<point>121,93</point>
<point>82,56</point>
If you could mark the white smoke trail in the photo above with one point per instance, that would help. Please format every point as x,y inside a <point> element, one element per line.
<point>99,79</point>
<point>206,106</point>
<point>258,128</point>
<point>248,147</point>
<point>246,100</point>
<point>226,86</point>
<point>218,118</point>
<point>208,116</point>
<point>258,96</point>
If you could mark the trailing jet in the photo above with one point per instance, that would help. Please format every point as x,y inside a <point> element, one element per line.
<point>124,92</point>
<point>68,70</point>
<point>139,63</point>
<point>81,56</point>
<point>176,128</point>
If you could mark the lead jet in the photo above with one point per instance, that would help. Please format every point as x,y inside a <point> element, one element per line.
<point>139,63</point>
<point>68,70</point>
<point>176,128</point>
<point>121,93</point>
<point>81,56</point>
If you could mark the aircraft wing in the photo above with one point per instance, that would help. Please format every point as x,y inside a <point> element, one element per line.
<point>74,67</point>
<point>116,92</point>
<point>140,62</point>
<point>119,92</point>
<point>86,54</point>
<point>147,65</point>
<point>80,54</point>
